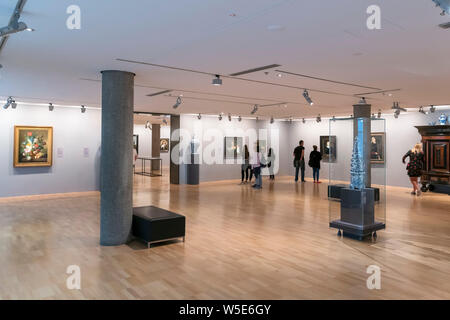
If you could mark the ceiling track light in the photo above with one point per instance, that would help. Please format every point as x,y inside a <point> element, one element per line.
<point>220,117</point>
<point>217,81</point>
<point>14,104</point>
<point>8,103</point>
<point>379,113</point>
<point>271,120</point>
<point>255,109</point>
<point>199,117</point>
<point>396,113</point>
<point>432,109</point>
<point>178,102</point>
<point>51,107</point>
<point>14,26</point>
<point>303,120</point>
<point>421,110</point>
<point>229,117</point>
<point>83,109</point>
<point>239,118</point>
<point>307,97</point>
<point>319,118</point>
<point>333,118</point>
<point>164,121</point>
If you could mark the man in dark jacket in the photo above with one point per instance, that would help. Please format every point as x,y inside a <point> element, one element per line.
<point>299,160</point>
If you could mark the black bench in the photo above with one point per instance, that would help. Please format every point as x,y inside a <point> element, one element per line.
<point>153,224</point>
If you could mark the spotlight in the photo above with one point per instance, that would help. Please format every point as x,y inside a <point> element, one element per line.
<point>220,117</point>
<point>51,107</point>
<point>199,116</point>
<point>83,109</point>
<point>217,81</point>
<point>303,120</point>
<point>14,26</point>
<point>164,121</point>
<point>333,118</point>
<point>319,118</point>
<point>9,101</point>
<point>271,120</point>
<point>432,109</point>
<point>229,117</point>
<point>255,109</point>
<point>148,125</point>
<point>290,119</point>
<point>239,118</point>
<point>13,104</point>
<point>177,104</point>
<point>307,98</point>
<point>379,113</point>
<point>279,75</point>
<point>256,118</point>
<point>421,110</point>
<point>396,113</point>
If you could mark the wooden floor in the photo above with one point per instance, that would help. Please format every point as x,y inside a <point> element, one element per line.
<point>241,243</point>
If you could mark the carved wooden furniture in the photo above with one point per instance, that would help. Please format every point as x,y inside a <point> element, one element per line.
<point>436,146</point>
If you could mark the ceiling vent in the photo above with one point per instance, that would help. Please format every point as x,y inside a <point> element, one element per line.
<point>240,73</point>
<point>445,25</point>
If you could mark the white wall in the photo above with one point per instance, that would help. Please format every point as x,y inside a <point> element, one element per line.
<point>145,143</point>
<point>72,132</point>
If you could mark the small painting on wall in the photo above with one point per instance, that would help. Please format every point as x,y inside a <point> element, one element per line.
<point>377,145</point>
<point>164,145</point>
<point>33,146</point>
<point>328,148</point>
<point>136,142</point>
<point>233,147</point>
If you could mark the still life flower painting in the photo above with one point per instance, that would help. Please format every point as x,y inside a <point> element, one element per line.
<point>33,146</point>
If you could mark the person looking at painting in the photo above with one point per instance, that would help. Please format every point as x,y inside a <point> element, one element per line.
<point>415,166</point>
<point>314,162</point>
<point>271,163</point>
<point>299,161</point>
<point>246,168</point>
<point>257,164</point>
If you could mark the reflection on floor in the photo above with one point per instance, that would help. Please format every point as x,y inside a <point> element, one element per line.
<point>241,243</point>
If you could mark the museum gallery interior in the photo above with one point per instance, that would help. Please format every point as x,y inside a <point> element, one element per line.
<point>269,149</point>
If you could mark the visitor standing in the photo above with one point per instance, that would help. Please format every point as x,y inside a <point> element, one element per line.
<point>314,162</point>
<point>257,164</point>
<point>246,168</point>
<point>415,166</point>
<point>299,161</point>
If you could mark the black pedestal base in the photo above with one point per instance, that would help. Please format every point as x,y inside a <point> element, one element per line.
<point>334,191</point>
<point>357,214</point>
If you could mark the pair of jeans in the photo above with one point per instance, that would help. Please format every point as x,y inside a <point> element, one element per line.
<point>258,177</point>
<point>316,174</point>
<point>300,164</point>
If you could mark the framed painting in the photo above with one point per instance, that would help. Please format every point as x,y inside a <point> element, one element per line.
<point>262,146</point>
<point>233,147</point>
<point>164,144</point>
<point>328,148</point>
<point>377,147</point>
<point>33,146</point>
<point>136,142</point>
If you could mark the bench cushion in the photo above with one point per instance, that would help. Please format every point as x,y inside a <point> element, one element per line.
<point>153,224</point>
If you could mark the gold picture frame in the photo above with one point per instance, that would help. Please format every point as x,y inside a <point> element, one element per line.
<point>33,146</point>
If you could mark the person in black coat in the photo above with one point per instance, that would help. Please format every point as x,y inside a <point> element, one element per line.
<point>314,162</point>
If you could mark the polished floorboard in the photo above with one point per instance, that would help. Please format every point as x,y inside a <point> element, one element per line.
<point>241,243</point>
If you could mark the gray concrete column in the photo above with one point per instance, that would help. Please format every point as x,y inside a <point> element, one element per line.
<point>362,110</point>
<point>156,149</point>
<point>174,167</point>
<point>116,203</point>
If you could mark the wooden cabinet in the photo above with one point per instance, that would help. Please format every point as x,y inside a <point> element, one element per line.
<point>436,146</point>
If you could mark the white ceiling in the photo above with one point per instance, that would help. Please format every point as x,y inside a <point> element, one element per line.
<point>326,39</point>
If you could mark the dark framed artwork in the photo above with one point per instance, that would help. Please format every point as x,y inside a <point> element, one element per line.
<point>377,147</point>
<point>136,142</point>
<point>33,146</point>
<point>328,148</point>
<point>233,147</point>
<point>164,144</point>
